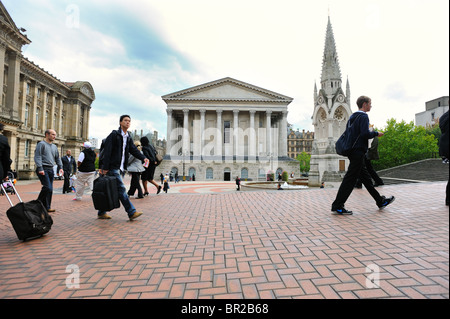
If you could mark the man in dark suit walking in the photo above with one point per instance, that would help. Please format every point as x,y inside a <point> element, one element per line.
<point>444,146</point>
<point>361,134</point>
<point>69,167</point>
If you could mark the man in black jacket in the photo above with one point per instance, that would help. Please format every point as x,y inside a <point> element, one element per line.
<point>114,159</point>
<point>444,145</point>
<point>69,167</point>
<point>5,153</point>
<point>361,135</point>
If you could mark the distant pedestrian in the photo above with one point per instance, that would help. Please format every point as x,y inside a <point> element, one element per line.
<point>162,178</point>
<point>86,170</point>
<point>166,183</point>
<point>444,147</point>
<point>5,156</point>
<point>69,168</point>
<point>279,187</point>
<point>46,156</point>
<point>135,168</point>
<point>360,134</point>
<point>176,177</point>
<point>116,149</point>
<point>149,174</point>
<point>238,183</point>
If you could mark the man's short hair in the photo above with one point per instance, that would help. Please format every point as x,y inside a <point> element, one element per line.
<point>124,116</point>
<point>361,100</point>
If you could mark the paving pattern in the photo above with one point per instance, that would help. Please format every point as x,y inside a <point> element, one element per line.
<point>209,241</point>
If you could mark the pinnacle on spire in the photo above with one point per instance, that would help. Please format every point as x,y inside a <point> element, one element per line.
<point>330,63</point>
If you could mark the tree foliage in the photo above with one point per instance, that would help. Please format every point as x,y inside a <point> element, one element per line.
<point>404,143</point>
<point>304,159</point>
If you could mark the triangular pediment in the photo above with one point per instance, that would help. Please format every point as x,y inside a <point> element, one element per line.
<point>8,23</point>
<point>227,89</point>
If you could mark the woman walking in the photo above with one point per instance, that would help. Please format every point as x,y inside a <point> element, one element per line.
<point>135,168</point>
<point>148,175</point>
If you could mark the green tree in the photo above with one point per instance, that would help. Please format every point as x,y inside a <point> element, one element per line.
<point>304,159</point>
<point>404,143</point>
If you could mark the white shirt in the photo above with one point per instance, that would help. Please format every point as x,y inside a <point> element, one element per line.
<point>125,137</point>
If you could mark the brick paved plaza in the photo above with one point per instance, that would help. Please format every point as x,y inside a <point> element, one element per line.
<point>205,240</point>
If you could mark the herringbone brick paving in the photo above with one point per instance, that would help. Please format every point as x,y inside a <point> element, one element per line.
<point>264,244</point>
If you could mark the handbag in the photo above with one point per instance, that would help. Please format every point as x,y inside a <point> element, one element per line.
<point>345,144</point>
<point>159,159</point>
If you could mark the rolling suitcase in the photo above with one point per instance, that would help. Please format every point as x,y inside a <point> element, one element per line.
<point>29,219</point>
<point>105,194</point>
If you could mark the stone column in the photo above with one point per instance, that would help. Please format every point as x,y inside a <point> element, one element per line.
<point>219,137</point>
<point>2,64</point>
<point>186,137</point>
<point>268,132</point>
<point>202,130</point>
<point>169,132</point>
<point>252,135</point>
<point>236,133</point>
<point>12,94</point>
<point>283,134</point>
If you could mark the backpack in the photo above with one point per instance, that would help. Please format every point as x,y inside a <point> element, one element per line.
<point>345,143</point>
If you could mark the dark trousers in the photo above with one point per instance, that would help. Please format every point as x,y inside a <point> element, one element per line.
<point>446,193</point>
<point>66,186</point>
<point>135,185</point>
<point>372,173</point>
<point>356,169</point>
<point>45,196</point>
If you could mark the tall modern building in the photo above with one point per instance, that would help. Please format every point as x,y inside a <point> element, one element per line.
<point>331,112</point>
<point>33,100</point>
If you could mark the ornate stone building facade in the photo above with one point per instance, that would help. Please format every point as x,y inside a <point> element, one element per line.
<point>299,142</point>
<point>34,100</point>
<point>331,113</point>
<point>226,128</point>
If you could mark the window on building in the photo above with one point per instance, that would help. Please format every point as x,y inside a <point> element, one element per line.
<point>37,116</point>
<point>27,111</point>
<point>244,173</point>
<point>226,131</point>
<point>27,148</point>
<point>209,173</point>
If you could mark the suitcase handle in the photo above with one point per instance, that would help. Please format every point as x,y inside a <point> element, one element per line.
<point>6,193</point>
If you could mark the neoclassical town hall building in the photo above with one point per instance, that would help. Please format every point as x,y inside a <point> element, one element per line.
<point>34,100</point>
<point>227,128</point>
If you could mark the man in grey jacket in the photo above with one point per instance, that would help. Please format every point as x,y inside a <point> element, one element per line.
<point>46,156</point>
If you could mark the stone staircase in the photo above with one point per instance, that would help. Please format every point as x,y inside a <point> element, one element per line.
<point>429,170</point>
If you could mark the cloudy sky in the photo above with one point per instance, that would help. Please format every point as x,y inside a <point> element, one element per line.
<point>133,52</point>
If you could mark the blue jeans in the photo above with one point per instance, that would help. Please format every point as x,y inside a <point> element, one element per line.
<point>123,196</point>
<point>45,196</point>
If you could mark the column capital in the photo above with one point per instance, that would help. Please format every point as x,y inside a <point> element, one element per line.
<point>169,111</point>
<point>185,111</point>
<point>268,112</point>
<point>252,112</point>
<point>235,111</point>
<point>202,111</point>
<point>219,111</point>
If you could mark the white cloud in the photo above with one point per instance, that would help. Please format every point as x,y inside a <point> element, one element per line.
<point>395,51</point>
